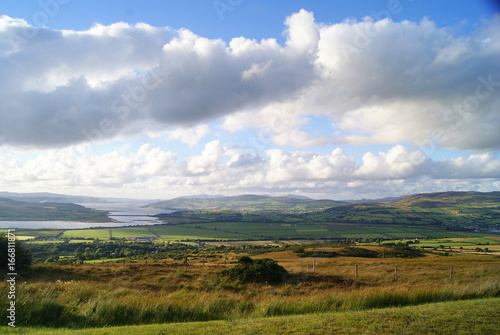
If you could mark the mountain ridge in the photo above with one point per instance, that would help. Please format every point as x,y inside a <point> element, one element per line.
<point>244,202</point>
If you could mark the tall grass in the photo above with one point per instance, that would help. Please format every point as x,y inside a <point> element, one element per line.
<point>130,294</point>
<point>374,298</point>
<point>81,304</point>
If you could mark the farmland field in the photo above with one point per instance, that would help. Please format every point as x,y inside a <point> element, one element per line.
<point>182,233</point>
<point>86,233</point>
<point>128,232</point>
<point>240,231</point>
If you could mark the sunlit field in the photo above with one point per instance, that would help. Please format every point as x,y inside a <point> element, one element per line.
<point>164,291</point>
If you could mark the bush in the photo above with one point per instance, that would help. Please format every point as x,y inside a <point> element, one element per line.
<point>403,251</point>
<point>359,252</point>
<point>257,271</point>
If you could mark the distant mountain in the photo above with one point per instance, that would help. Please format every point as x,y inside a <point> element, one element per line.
<point>380,200</point>
<point>42,197</point>
<point>294,196</point>
<point>202,196</point>
<point>246,202</point>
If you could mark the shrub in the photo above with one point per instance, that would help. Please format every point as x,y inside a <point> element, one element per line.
<point>257,271</point>
<point>403,251</point>
<point>359,252</point>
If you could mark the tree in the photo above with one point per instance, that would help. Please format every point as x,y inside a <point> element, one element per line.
<point>22,256</point>
<point>245,260</point>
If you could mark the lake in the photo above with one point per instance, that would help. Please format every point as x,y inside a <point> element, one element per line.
<point>125,215</point>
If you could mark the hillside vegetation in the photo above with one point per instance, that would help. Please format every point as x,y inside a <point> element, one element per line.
<point>13,210</point>
<point>164,290</point>
<point>247,203</point>
<point>459,210</point>
<point>447,199</point>
<point>470,317</point>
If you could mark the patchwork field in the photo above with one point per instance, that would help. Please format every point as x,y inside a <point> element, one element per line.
<point>252,231</point>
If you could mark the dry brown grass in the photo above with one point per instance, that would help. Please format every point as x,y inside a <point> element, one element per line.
<point>159,291</point>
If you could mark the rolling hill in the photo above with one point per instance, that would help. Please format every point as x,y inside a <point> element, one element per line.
<point>449,199</point>
<point>248,202</point>
<point>456,209</point>
<point>14,210</point>
<point>40,197</point>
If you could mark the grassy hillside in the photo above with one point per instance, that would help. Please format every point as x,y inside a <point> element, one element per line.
<point>468,317</point>
<point>458,210</point>
<point>13,210</point>
<point>247,203</point>
<point>448,199</point>
<point>155,291</point>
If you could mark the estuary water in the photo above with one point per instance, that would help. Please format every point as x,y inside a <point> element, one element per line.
<point>122,213</point>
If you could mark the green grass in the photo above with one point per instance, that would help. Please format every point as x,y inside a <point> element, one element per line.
<point>86,233</point>
<point>127,232</point>
<point>100,261</point>
<point>459,318</point>
<point>177,232</point>
<point>162,291</point>
<point>458,242</point>
<point>31,242</point>
<point>363,235</point>
<point>237,231</point>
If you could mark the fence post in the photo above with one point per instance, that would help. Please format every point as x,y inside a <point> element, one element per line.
<point>396,274</point>
<point>451,274</point>
<point>356,270</point>
<point>314,266</point>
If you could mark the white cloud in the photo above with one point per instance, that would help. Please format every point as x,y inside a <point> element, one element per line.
<point>398,163</point>
<point>220,170</point>
<point>375,82</point>
<point>208,161</point>
<point>75,86</point>
<point>190,136</point>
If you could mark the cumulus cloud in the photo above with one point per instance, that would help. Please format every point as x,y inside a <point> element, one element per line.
<point>430,85</point>
<point>155,172</point>
<point>281,122</point>
<point>61,87</point>
<point>397,163</point>
<point>190,136</point>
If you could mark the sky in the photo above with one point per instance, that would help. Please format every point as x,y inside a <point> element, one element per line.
<point>325,99</point>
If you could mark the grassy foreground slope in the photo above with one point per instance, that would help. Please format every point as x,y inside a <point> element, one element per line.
<point>458,317</point>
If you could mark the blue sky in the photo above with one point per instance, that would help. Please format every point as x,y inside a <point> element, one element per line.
<point>328,99</point>
<point>253,19</point>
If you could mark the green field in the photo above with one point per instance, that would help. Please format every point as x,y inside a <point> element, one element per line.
<point>183,233</point>
<point>129,232</point>
<point>461,242</point>
<point>86,233</point>
<point>250,231</point>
